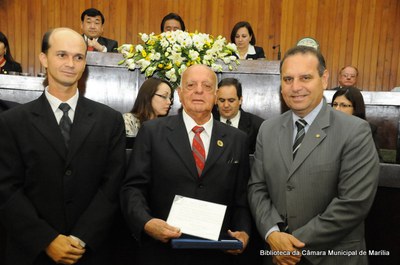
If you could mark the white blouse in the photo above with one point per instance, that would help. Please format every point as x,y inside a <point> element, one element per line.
<point>132,124</point>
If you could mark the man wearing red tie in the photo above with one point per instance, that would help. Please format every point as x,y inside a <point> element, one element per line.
<point>192,155</point>
<point>92,28</point>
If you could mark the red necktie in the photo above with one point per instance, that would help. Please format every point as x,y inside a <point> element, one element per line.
<point>198,151</point>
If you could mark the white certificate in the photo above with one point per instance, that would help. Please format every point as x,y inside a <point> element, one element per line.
<point>196,217</point>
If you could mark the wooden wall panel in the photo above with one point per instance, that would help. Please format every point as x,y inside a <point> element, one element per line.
<point>364,33</point>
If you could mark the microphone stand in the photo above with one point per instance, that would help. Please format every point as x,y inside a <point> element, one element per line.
<point>279,50</point>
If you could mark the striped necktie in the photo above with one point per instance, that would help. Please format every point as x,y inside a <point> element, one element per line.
<point>301,125</point>
<point>198,150</point>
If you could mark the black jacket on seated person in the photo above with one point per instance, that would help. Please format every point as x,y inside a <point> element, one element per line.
<point>10,67</point>
<point>258,55</point>
<point>248,123</point>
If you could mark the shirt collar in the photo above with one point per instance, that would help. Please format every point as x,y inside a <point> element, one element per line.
<point>55,102</point>
<point>234,120</point>
<point>251,50</point>
<point>310,116</point>
<point>190,123</point>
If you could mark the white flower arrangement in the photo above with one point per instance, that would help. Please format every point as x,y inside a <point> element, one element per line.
<point>168,54</point>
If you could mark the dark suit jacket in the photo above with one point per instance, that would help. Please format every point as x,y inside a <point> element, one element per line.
<point>325,192</point>
<point>46,190</point>
<point>162,166</point>
<point>259,54</point>
<point>11,67</point>
<point>111,45</point>
<point>5,105</point>
<point>249,123</point>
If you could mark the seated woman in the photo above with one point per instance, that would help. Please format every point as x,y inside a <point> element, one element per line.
<point>172,22</point>
<point>243,36</point>
<point>350,101</point>
<point>154,100</point>
<point>7,63</point>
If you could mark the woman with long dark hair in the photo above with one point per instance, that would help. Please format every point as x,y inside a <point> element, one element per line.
<point>7,63</point>
<point>154,99</point>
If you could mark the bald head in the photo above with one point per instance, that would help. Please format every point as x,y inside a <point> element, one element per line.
<point>64,33</point>
<point>197,92</point>
<point>195,69</point>
<point>64,57</point>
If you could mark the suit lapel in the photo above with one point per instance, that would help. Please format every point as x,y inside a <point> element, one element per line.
<point>45,122</point>
<point>285,140</point>
<point>217,147</point>
<point>83,123</point>
<point>314,136</point>
<point>244,122</point>
<point>178,138</point>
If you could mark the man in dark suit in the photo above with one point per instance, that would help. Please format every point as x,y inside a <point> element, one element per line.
<point>92,27</point>
<point>348,76</point>
<point>315,172</point>
<point>229,102</point>
<point>162,165</point>
<point>60,170</point>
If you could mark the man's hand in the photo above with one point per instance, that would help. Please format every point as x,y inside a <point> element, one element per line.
<point>160,230</point>
<point>65,250</point>
<point>243,237</point>
<point>279,241</point>
<point>97,46</point>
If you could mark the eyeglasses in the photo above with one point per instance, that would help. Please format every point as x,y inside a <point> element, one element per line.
<point>341,105</point>
<point>165,97</point>
<point>348,76</point>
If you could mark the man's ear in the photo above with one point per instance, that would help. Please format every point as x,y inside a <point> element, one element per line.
<point>43,59</point>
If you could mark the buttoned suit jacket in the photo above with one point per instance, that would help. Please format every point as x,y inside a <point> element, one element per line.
<point>46,190</point>
<point>325,192</point>
<point>111,45</point>
<point>162,166</point>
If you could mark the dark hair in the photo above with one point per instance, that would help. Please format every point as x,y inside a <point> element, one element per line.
<point>142,108</point>
<point>46,41</point>
<point>175,17</point>
<point>232,82</point>
<point>353,95</point>
<point>8,54</point>
<point>304,50</point>
<point>92,12</point>
<point>244,24</point>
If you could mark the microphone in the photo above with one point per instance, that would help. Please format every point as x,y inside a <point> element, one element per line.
<point>279,50</point>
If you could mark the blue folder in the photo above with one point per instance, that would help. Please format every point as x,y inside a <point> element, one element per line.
<point>198,243</point>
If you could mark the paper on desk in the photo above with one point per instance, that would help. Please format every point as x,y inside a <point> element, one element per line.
<point>196,217</point>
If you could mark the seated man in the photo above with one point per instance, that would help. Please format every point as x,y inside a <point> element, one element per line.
<point>92,28</point>
<point>229,100</point>
<point>347,77</point>
<point>172,22</point>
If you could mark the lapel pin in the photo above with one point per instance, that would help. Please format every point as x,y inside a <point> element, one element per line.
<point>317,135</point>
<point>220,143</point>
